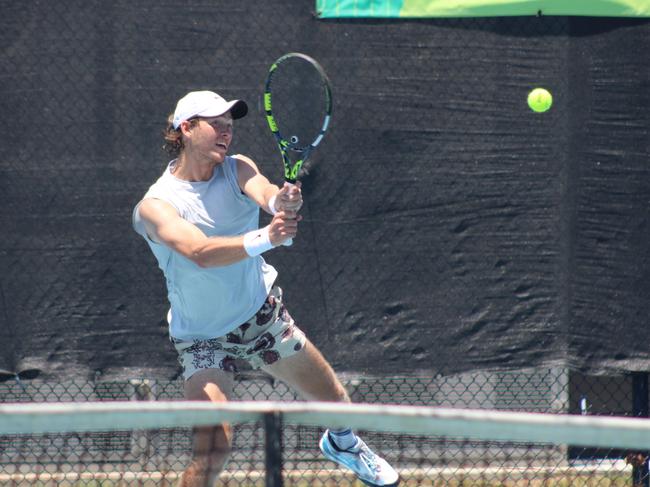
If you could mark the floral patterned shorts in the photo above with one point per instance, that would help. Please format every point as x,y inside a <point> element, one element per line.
<point>267,337</point>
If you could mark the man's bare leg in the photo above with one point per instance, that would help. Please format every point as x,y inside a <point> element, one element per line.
<point>211,445</point>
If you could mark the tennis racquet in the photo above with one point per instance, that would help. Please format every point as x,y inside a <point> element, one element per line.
<point>298,106</point>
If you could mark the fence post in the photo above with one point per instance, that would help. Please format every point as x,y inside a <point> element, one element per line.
<point>641,410</point>
<point>273,449</point>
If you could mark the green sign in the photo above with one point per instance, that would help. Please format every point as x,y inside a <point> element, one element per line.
<point>480,8</point>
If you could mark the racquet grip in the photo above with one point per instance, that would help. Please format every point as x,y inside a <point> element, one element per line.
<point>288,243</point>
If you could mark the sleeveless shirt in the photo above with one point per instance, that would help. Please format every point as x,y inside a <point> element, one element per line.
<point>209,302</point>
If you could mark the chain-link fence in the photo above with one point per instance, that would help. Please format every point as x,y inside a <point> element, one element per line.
<point>159,457</point>
<point>438,205</point>
<point>446,227</point>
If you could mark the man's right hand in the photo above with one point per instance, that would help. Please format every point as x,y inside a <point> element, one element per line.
<point>283,227</point>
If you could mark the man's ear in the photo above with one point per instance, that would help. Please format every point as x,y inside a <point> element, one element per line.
<point>185,127</point>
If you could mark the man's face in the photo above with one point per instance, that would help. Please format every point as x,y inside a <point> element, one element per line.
<point>212,136</point>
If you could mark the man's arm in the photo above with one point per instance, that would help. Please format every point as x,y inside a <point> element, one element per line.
<point>258,188</point>
<point>164,225</point>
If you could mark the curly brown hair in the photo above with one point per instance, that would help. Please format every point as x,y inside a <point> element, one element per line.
<point>173,138</point>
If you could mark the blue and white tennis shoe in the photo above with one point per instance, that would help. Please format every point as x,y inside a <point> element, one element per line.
<point>368,466</point>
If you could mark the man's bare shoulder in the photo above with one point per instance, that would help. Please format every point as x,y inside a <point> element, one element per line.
<point>153,209</point>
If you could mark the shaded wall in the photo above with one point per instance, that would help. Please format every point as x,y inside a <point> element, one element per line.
<point>447,227</point>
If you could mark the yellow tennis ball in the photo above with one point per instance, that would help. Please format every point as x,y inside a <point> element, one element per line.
<point>540,100</point>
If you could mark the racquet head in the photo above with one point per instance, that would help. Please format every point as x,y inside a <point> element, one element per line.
<point>298,106</point>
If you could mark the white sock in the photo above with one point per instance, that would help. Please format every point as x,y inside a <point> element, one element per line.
<point>343,438</point>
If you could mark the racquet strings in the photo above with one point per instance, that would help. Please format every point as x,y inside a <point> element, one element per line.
<point>299,101</point>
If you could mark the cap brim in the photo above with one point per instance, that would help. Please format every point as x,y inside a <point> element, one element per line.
<point>238,109</point>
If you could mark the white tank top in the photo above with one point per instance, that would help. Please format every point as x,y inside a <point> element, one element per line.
<point>209,302</point>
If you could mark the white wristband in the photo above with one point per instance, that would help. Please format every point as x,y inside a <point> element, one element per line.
<point>272,205</point>
<point>257,241</point>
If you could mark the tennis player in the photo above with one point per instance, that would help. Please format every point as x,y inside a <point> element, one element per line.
<point>201,221</point>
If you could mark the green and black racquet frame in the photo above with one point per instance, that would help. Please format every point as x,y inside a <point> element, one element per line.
<point>298,105</point>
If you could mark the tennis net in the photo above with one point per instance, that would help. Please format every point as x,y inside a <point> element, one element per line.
<point>123,443</point>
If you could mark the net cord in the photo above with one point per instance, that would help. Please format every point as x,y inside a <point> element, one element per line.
<point>595,431</point>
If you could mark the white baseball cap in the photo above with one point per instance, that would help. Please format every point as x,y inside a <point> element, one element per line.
<point>206,104</point>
